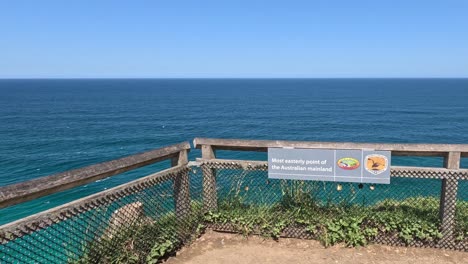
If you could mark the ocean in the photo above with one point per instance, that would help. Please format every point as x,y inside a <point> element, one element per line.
<point>49,126</point>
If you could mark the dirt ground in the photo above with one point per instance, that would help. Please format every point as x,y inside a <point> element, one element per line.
<point>214,247</point>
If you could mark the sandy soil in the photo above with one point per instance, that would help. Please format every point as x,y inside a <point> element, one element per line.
<point>225,248</point>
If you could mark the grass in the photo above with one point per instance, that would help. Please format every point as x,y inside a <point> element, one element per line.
<point>145,241</point>
<point>412,219</point>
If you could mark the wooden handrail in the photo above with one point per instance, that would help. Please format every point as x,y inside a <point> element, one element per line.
<point>452,154</point>
<point>436,150</point>
<point>29,190</point>
<point>82,201</point>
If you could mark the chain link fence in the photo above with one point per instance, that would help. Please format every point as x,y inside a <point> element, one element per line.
<point>139,222</point>
<point>403,213</point>
<point>148,219</point>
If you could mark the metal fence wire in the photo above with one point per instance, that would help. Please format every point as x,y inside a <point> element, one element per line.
<point>404,213</point>
<point>139,222</point>
<point>145,220</point>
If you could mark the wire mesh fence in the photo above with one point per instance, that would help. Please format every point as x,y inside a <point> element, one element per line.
<point>405,212</point>
<point>461,214</point>
<point>139,222</point>
<point>145,220</point>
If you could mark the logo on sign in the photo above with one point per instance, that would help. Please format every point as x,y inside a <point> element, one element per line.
<point>348,163</point>
<point>376,163</point>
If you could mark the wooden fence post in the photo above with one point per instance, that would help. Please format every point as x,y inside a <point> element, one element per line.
<point>181,186</point>
<point>210,197</point>
<point>448,198</point>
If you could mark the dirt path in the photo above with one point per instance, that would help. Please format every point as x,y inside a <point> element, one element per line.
<point>224,248</point>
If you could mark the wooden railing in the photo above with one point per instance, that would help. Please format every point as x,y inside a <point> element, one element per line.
<point>29,190</point>
<point>208,145</point>
<point>451,153</point>
<point>178,154</point>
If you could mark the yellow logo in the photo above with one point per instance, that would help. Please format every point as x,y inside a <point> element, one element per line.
<point>376,163</point>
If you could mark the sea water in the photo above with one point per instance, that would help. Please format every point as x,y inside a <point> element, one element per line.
<point>49,126</point>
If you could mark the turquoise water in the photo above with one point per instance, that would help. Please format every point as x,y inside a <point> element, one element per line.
<point>49,126</point>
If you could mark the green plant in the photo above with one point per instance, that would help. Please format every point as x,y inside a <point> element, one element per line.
<point>332,222</point>
<point>273,230</point>
<point>411,219</point>
<point>349,230</point>
<point>145,241</point>
<point>298,193</point>
<point>159,250</point>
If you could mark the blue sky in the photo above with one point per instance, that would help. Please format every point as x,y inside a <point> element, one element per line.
<point>234,38</point>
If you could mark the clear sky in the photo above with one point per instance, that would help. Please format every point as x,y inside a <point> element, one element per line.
<point>233,38</point>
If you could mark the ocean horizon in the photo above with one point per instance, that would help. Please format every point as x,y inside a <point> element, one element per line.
<point>53,125</point>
